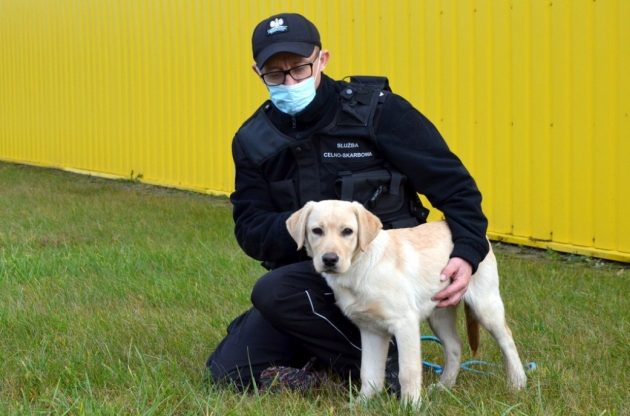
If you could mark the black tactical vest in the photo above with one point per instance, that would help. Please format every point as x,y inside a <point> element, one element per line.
<point>338,161</point>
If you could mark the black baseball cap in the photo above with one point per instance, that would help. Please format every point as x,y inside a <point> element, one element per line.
<point>286,32</point>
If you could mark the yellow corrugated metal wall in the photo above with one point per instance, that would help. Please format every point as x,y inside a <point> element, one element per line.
<point>533,95</point>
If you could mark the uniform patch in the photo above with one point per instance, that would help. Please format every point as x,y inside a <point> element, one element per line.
<point>345,149</point>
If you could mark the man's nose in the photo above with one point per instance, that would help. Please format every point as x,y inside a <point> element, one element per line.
<point>288,80</point>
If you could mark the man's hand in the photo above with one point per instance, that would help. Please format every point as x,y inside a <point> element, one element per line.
<point>458,271</point>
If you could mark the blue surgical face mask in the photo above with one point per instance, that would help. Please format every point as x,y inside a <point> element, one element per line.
<point>291,99</point>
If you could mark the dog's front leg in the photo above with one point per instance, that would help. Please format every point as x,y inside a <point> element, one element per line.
<point>374,347</point>
<point>409,361</point>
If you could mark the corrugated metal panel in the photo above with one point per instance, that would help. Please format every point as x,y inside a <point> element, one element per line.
<point>534,96</point>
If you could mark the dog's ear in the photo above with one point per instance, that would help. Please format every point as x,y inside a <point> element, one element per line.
<point>296,223</point>
<point>369,225</point>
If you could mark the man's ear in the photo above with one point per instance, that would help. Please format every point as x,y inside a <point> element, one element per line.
<point>296,224</point>
<point>369,225</point>
<point>325,56</point>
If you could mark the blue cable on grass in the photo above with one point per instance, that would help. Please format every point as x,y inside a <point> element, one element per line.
<point>466,365</point>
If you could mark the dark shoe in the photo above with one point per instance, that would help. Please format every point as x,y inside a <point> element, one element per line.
<point>280,378</point>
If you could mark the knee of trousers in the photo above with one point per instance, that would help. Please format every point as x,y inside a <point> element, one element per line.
<point>281,294</point>
<point>266,295</point>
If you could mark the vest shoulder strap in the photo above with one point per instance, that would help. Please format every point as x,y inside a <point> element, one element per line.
<point>360,101</point>
<point>259,139</point>
<point>377,81</point>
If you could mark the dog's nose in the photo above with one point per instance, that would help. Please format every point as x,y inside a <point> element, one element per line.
<point>330,259</point>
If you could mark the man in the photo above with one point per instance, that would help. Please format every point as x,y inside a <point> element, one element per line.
<point>322,139</point>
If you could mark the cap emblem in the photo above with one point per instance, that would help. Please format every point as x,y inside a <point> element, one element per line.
<point>277,25</point>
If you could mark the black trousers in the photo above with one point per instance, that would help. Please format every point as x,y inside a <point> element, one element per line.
<point>293,319</point>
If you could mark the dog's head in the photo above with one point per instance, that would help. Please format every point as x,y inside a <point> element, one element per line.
<point>333,232</point>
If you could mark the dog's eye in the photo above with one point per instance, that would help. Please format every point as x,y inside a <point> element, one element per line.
<point>317,231</point>
<point>347,232</point>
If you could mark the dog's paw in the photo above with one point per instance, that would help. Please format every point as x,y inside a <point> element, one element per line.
<point>448,380</point>
<point>412,400</point>
<point>518,380</point>
<point>366,394</point>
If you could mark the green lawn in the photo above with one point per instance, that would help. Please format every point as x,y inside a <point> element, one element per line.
<point>112,295</point>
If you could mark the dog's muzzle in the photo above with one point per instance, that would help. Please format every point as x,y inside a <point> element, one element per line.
<point>330,261</point>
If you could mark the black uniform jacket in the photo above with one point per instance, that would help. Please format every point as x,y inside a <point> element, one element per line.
<point>405,138</point>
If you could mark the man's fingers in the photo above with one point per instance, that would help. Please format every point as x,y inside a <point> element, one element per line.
<point>444,293</point>
<point>448,271</point>
<point>458,271</point>
<point>455,287</point>
<point>452,301</point>
<point>451,295</point>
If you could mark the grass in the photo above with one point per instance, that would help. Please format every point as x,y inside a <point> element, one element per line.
<point>112,295</point>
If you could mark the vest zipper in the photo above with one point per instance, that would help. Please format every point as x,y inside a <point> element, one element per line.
<point>293,122</point>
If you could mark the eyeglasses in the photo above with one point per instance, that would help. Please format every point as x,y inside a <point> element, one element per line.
<point>298,73</point>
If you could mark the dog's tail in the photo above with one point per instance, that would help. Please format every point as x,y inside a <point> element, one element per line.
<point>472,328</point>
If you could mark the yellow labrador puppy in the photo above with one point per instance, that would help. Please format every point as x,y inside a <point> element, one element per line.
<point>384,280</point>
